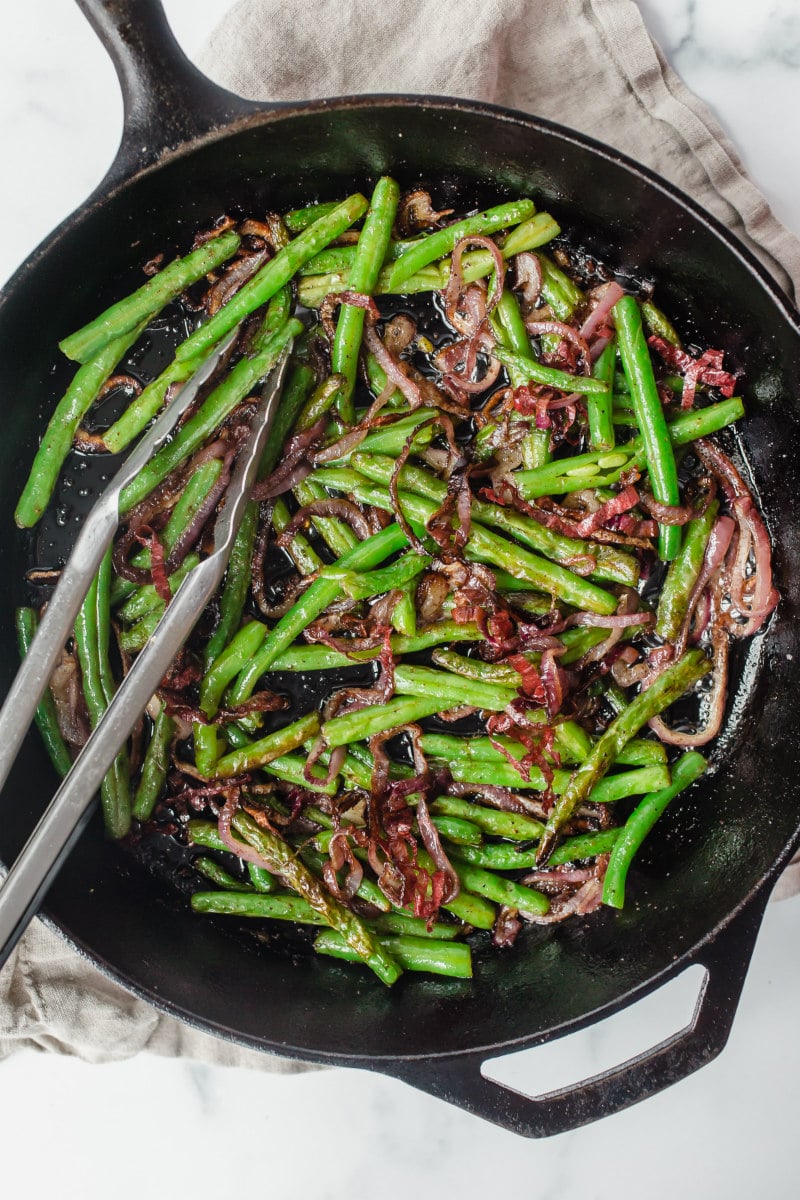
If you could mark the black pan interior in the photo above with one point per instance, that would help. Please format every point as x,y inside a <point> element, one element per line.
<point>709,854</point>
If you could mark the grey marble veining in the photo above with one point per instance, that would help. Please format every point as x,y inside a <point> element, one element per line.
<point>156,1127</point>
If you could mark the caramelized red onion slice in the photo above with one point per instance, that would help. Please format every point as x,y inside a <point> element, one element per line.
<point>587,898</point>
<point>340,852</point>
<point>667,514</point>
<point>228,811</point>
<point>528,277</point>
<point>390,366</point>
<point>346,510</point>
<point>415,212</point>
<point>763,596</point>
<point>432,843</point>
<point>606,297</point>
<point>715,701</point>
<point>457,293</point>
<point>716,550</point>
<point>705,369</point>
<point>754,596</point>
<point>566,332</point>
<point>294,465</point>
<point>332,302</point>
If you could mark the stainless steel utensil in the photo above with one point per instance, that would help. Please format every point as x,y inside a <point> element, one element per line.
<point>68,812</point>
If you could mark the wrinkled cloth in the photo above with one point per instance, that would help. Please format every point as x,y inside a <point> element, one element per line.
<point>511,52</point>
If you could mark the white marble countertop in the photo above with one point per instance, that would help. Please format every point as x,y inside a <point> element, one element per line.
<point>167,1127</point>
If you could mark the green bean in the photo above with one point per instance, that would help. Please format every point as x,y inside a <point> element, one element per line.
<point>237,577</point>
<point>434,957</point>
<point>436,245</point>
<point>477,669</point>
<point>496,822</point>
<point>508,322</point>
<point>458,830</point>
<point>300,218</point>
<point>558,289</point>
<point>371,250</point>
<point>151,398</point>
<point>236,586</point>
<point>146,601</point>
<point>572,744</point>
<point>475,264</point>
<point>205,833</point>
<point>499,857</point>
<point>658,324</point>
<point>356,726</point>
<point>259,753</point>
<point>337,535</point>
<point>149,402</point>
<point>222,878</point>
<point>335,260</point>
<point>611,564</point>
<point>197,488</point>
<point>404,613</point>
<point>148,300</point>
<point>244,902</point>
<point>584,845</point>
<point>302,554</point>
<point>686,770</point>
<point>501,890</point>
<point>482,773</point>
<point>293,397</point>
<point>314,600</point>
<point>262,880</point>
<point>321,400</point>
<point>488,547</point>
<point>400,922</point>
<point>322,658</point>
<point>650,418</point>
<point>291,769</point>
<point>360,586</point>
<point>599,408</point>
<point>46,717</point>
<point>224,398</point>
<point>536,372</point>
<point>274,274</point>
<point>676,679</point>
<point>599,468</point>
<point>225,668</point>
<point>452,690</point>
<point>154,769</point>
<point>673,603</point>
<point>91,626</point>
<point>392,438</point>
<point>57,440</point>
<point>281,858</point>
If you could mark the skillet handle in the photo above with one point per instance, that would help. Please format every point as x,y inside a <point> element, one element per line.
<point>167,100</point>
<point>459,1081</point>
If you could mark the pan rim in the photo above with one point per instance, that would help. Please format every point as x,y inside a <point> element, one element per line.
<point>270,115</point>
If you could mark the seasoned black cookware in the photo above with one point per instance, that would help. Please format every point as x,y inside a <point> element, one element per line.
<point>189,152</point>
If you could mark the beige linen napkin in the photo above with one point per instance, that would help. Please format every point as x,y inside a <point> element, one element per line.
<point>512,52</point>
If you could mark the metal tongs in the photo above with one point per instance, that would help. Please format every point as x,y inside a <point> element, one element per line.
<point>68,812</point>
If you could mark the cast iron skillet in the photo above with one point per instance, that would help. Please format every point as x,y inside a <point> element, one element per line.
<point>188,152</point>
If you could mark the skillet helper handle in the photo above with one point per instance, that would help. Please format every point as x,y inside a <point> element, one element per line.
<point>459,1081</point>
<point>167,101</point>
